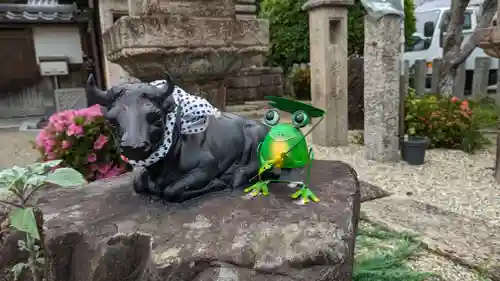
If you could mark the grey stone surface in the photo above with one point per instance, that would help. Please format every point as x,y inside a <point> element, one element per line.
<point>104,231</point>
<point>381,95</point>
<point>371,192</point>
<point>471,241</point>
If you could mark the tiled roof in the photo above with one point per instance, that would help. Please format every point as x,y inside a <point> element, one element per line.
<point>39,11</point>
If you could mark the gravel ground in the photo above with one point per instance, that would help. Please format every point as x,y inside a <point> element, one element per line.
<point>16,148</point>
<point>446,269</point>
<point>450,179</point>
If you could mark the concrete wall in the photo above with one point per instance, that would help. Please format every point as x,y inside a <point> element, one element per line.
<point>113,73</point>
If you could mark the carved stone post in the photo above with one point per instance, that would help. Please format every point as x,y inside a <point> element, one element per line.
<point>382,68</point>
<point>328,57</point>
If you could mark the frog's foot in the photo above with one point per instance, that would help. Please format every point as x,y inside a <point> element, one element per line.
<point>294,184</point>
<point>257,189</point>
<point>305,195</point>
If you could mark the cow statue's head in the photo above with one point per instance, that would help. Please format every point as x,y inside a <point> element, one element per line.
<point>137,112</point>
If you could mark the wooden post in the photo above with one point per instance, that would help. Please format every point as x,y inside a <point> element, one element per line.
<point>328,58</point>
<point>459,85</point>
<point>480,78</point>
<point>436,72</point>
<point>405,84</point>
<point>497,99</point>
<point>420,68</point>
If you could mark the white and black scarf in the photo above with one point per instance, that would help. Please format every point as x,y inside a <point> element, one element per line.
<point>193,114</point>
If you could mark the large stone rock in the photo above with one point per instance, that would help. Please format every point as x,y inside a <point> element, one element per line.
<point>106,232</point>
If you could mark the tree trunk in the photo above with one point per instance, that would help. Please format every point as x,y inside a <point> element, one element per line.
<point>453,55</point>
<point>497,161</point>
<point>451,44</point>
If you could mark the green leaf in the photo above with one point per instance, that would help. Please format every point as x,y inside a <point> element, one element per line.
<point>18,269</point>
<point>66,177</point>
<point>23,219</point>
<point>7,176</point>
<point>35,180</point>
<point>42,168</point>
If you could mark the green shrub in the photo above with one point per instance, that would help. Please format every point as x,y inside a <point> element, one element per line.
<point>289,30</point>
<point>449,122</point>
<point>301,83</point>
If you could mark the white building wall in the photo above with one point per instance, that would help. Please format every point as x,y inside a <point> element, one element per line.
<point>58,41</point>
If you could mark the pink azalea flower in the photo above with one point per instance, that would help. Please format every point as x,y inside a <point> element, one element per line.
<point>58,127</point>
<point>100,142</point>
<point>94,167</point>
<point>40,138</point>
<point>113,172</point>
<point>66,144</point>
<point>104,168</point>
<point>51,156</point>
<point>75,130</point>
<point>48,144</point>
<point>91,158</point>
<point>91,112</point>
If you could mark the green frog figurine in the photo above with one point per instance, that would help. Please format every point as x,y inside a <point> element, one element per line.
<point>285,148</point>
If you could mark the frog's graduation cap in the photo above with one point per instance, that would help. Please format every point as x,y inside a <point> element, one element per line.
<point>292,106</point>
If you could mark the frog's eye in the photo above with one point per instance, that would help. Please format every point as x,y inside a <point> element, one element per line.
<point>300,119</point>
<point>272,117</point>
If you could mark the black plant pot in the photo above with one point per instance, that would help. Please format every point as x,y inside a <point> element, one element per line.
<point>413,150</point>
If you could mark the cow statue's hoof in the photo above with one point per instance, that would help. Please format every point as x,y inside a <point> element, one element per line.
<point>142,183</point>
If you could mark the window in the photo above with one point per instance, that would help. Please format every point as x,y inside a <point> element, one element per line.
<point>467,21</point>
<point>418,42</point>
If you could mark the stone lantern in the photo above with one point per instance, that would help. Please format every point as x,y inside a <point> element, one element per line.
<point>198,42</point>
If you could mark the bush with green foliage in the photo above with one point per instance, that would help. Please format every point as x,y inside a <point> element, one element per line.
<point>301,81</point>
<point>289,30</point>
<point>449,122</point>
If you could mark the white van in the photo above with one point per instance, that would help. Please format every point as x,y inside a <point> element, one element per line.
<point>432,19</point>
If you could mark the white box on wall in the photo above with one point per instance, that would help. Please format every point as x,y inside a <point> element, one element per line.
<point>58,41</point>
<point>53,68</point>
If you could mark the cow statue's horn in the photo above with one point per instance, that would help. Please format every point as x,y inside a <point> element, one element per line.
<point>92,90</point>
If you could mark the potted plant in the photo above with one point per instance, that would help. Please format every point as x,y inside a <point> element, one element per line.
<point>413,149</point>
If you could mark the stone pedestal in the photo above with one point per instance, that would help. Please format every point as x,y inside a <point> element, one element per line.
<point>196,41</point>
<point>328,57</point>
<point>382,63</point>
<point>218,237</point>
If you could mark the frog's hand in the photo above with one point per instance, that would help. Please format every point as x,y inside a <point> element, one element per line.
<point>267,165</point>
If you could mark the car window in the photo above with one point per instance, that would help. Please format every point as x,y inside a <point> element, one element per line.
<point>467,21</point>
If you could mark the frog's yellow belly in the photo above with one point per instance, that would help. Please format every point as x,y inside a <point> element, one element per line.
<point>278,148</point>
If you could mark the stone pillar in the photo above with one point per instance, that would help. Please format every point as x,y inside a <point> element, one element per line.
<point>113,73</point>
<point>382,63</point>
<point>328,57</point>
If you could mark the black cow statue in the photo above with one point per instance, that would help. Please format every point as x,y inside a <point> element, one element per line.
<point>187,147</point>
